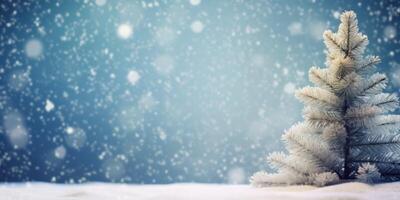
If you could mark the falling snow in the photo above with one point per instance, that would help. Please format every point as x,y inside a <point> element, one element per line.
<point>197,26</point>
<point>133,77</point>
<point>195,2</point>
<point>101,2</point>
<point>289,88</point>
<point>60,152</point>
<point>125,31</point>
<point>33,48</point>
<point>49,105</point>
<point>162,91</point>
<point>295,28</point>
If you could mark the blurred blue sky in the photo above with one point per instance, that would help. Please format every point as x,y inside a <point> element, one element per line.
<point>162,91</point>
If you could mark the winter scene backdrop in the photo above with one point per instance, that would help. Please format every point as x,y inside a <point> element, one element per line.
<point>163,91</point>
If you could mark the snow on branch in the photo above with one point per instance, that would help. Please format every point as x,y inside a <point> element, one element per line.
<point>375,153</point>
<point>263,179</point>
<point>367,136</point>
<point>368,64</point>
<point>376,139</point>
<point>314,96</point>
<point>357,46</point>
<point>311,147</point>
<point>332,43</point>
<point>293,163</point>
<point>382,125</point>
<point>278,160</point>
<point>335,135</point>
<point>368,173</point>
<point>350,39</point>
<point>320,118</point>
<point>360,116</point>
<point>375,84</point>
<point>389,122</point>
<point>320,78</point>
<point>347,133</point>
<point>387,102</point>
<point>325,178</point>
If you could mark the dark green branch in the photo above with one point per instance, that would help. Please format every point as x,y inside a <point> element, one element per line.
<point>375,161</point>
<point>375,143</point>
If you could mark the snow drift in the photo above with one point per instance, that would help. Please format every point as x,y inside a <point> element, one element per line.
<point>98,191</point>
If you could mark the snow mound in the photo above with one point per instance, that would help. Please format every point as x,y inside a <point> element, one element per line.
<point>97,191</point>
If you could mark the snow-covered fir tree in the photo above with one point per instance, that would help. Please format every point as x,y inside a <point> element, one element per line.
<point>346,133</point>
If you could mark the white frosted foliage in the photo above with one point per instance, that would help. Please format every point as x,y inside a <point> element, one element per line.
<point>346,133</point>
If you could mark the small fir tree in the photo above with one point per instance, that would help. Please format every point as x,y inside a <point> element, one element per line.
<point>346,133</point>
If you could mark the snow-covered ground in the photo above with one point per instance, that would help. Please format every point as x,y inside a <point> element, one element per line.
<point>96,191</point>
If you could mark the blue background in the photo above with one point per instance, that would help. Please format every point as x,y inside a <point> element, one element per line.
<point>209,103</point>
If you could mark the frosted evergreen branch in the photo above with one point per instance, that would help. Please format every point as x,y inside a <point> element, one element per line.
<point>335,135</point>
<point>278,160</point>
<point>314,96</point>
<point>319,77</point>
<point>325,178</point>
<point>387,169</point>
<point>388,103</point>
<point>360,44</point>
<point>348,34</point>
<point>321,118</point>
<point>388,121</point>
<point>361,112</point>
<point>368,173</point>
<point>331,43</point>
<point>348,30</point>
<point>378,125</point>
<point>354,84</point>
<point>262,179</point>
<point>385,101</point>
<point>368,137</point>
<point>339,68</point>
<point>368,63</point>
<point>387,153</point>
<point>376,143</point>
<point>306,146</point>
<point>375,161</point>
<point>361,116</point>
<point>375,84</point>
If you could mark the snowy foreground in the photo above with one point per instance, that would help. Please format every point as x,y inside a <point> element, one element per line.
<point>95,191</point>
